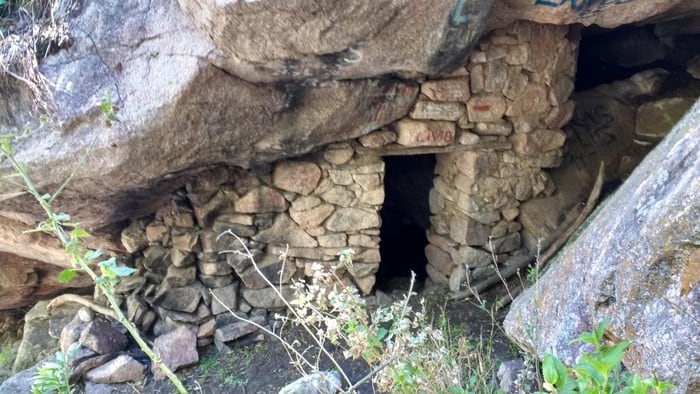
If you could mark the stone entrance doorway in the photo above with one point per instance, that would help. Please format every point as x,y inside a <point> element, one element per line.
<point>405,217</point>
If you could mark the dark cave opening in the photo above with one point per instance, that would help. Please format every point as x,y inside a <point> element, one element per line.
<point>405,219</point>
<point>632,84</point>
<point>609,55</point>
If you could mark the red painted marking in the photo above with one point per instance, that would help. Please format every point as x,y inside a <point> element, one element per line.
<point>444,136</point>
<point>481,107</point>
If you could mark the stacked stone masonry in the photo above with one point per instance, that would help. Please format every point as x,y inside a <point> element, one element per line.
<point>307,210</point>
<point>494,124</point>
<point>502,116</point>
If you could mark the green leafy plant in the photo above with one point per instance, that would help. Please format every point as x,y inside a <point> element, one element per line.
<point>597,372</point>
<point>53,376</point>
<point>108,108</point>
<point>70,234</point>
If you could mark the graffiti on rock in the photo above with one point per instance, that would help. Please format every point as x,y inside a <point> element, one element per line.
<point>582,7</point>
<point>460,14</point>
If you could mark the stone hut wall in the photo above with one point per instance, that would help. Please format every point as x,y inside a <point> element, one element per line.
<point>493,125</point>
<point>307,209</point>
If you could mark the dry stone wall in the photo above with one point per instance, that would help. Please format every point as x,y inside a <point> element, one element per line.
<point>493,125</point>
<point>307,209</point>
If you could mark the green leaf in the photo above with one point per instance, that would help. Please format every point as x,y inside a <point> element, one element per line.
<point>50,365</point>
<point>93,254</point>
<point>549,369</point>
<point>44,226</point>
<point>66,275</point>
<point>661,386</point>
<point>112,117</point>
<point>588,367</point>
<point>600,330</point>
<point>588,337</point>
<point>611,356</point>
<point>636,385</point>
<point>107,108</point>
<point>381,333</point>
<point>78,233</point>
<point>72,247</point>
<point>106,102</point>
<point>5,146</point>
<point>562,378</point>
<point>73,349</point>
<point>60,358</point>
<point>124,271</point>
<point>108,268</point>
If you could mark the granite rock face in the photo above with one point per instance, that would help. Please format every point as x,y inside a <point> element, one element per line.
<point>606,13</point>
<point>24,281</point>
<point>178,112</point>
<point>42,328</point>
<point>636,262</point>
<point>266,41</point>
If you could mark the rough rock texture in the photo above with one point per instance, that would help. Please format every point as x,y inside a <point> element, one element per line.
<point>41,331</point>
<point>177,349</point>
<point>160,81</point>
<point>23,281</point>
<point>519,81</point>
<point>312,207</point>
<point>606,13</point>
<point>636,262</point>
<point>21,382</point>
<point>181,109</point>
<point>317,382</point>
<point>616,123</point>
<point>102,338</point>
<point>122,369</point>
<point>34,245</point>
<point>268,41</point>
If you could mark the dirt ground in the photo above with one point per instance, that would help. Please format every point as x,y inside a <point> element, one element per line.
<point>265,366</point>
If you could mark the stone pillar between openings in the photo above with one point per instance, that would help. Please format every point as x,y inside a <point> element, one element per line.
<point>520,80</point>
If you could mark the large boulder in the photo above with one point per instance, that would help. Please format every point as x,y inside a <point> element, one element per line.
<point>42,327</point>
<point>178,114</point>
<point>605,13</point>
<point>310,39</point>
<point>637,263</point>
<point>22,382</point>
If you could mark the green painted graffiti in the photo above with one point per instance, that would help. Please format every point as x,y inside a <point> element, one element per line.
<point>583,7</point>
<point>458,16</point>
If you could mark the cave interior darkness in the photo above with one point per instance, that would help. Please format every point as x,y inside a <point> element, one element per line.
<point>405,218</point>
